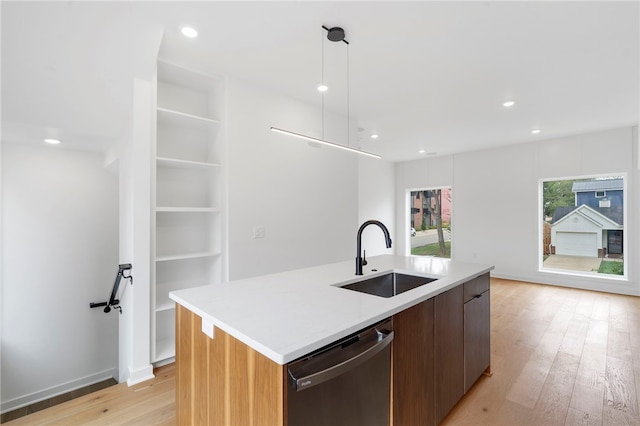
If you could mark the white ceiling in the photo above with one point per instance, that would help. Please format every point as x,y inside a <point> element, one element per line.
<point>424,75</point>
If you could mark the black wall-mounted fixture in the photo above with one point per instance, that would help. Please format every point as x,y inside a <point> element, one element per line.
<point>113,302</point>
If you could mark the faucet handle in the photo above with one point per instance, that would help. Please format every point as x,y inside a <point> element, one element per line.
<point>364,258</point>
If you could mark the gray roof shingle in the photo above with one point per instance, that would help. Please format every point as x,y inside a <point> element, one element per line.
<point>615,213</point>
<point>598,185</point>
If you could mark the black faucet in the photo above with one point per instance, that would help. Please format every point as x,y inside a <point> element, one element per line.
<point>387,240</point>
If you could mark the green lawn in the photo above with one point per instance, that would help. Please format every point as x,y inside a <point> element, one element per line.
<point>612,268</point>
<point>432,250</point>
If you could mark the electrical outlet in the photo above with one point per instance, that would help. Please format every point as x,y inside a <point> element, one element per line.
<point>258,232</point>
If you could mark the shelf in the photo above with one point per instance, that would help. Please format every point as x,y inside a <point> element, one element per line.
<point>188,186</point>
<point>165,349</point>
<point>184,118</point>
<point>176,163</point>
<point>165,306</point>
<point>186,256</point>
<point>188,183</point>
<point>187,209</point>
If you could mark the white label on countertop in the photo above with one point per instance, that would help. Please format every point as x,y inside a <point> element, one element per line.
<point>207,328</point>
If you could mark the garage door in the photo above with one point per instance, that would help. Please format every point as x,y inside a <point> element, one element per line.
<point>577,244</point>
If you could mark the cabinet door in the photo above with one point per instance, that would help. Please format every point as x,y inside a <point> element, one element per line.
<point>477,334</point>
<point>449,351</point>
<point>476,286</point>
<point>413,381</point>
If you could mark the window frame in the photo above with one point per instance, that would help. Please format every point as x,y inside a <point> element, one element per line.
<point>407,217</point>
<point>541,221</point>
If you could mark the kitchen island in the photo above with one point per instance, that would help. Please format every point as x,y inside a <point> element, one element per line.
<point>234,339</point>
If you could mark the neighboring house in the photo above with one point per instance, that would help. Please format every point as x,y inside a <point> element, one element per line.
<point>420,212</point>
<point>587,231</point>
<point>599,193</point>
<point>594,226</point>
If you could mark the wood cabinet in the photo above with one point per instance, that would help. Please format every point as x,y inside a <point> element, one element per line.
<point>222,381</point>
<point>441,347</point>
<point>413,378</point>
<point>477,330</point>
<point>187,224</point>
<point>449,351</point>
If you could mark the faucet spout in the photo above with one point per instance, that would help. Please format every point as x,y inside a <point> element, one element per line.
<point>387,240</point>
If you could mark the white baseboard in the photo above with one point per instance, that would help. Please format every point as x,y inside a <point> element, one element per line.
<point>140,375</point>
<point>164,362</point>
<point>579,282</point>
<point>52,391</point>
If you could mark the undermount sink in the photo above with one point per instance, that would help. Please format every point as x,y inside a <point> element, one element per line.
<point>388,285</point>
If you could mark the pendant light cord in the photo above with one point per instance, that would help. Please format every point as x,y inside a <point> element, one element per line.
<point>322,82</point>
<point>348,117</point>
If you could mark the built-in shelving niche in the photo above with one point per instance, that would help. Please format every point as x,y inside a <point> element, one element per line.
<point>188,197</point>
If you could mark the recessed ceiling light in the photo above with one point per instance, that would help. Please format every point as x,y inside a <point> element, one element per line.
<point>374,136</point>
<point>323,88</point>
<point>52,141</point>
<point>535,131</point>
<point>422,151</point>
<point>189,32</point>
<point>508,104</point>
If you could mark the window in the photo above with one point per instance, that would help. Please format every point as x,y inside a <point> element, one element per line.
<point>583,232</point>
<point>430,222</point>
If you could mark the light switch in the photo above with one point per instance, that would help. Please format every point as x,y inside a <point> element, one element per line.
<point>258,232</point>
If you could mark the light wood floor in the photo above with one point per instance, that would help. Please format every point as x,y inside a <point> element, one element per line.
<point>559,357</point>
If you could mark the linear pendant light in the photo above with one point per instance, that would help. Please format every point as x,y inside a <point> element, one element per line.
<point>324,142</point>
<point>335,34</point>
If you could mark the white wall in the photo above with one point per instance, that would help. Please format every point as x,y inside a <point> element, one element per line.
<point>60,252</point>
<point>495,200</point>
<point>305,197</point>
<point>135,238</point>
<point>376,192</point>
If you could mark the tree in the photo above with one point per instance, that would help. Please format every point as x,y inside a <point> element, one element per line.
<point>557,193</point>
<point>436,212</point>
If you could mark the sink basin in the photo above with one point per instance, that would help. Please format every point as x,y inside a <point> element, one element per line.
<point>388,285</point>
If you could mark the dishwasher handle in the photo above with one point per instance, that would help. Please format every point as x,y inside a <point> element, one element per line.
<point>335,370</point>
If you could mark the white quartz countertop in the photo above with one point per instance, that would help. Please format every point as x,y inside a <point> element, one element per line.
<point>287,315</point>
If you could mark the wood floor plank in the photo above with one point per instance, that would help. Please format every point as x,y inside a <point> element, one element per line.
<point>620,391</point>
<point>581,418</point>
<point>512,413</point>
<point>585,304</point>
<point>573,341</point>
<point>587,403</point>
<point>528,385</point>
<point>619,345</point>
<point>591,370</point>
<point>600,309</point>
<point>553,403</point>
<point>597,334</point>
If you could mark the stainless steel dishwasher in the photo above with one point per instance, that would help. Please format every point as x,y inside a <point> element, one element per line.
<point>345,383</point>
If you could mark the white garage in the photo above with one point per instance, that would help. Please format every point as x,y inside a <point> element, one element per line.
<point>577,243</point>
<point>580,231</point>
